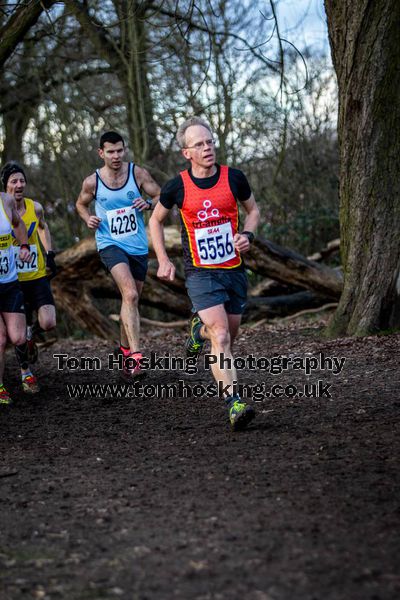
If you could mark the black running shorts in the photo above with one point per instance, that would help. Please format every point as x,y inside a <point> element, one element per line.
<point>11,298</point>
<point>112,255</point>
<point>209,288</point>
<point>37,293</point>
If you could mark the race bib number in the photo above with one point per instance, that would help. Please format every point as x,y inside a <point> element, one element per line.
<point>4,263</point>
<point>215,244</point>
<point>122,222</point>
<point>27,267</point>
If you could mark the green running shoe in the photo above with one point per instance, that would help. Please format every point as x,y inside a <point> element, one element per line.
<point>240,413</point>
<point>5,398</point>
<point>194,344</point>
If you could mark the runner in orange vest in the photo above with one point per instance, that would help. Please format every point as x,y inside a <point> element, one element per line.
<point>207,195</point>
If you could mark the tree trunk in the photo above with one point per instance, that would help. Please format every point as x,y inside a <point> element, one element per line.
<point>15,124</point>
<point>364,38</point>
<point>135,82</point>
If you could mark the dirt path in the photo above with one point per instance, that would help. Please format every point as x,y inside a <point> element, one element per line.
<point>144,498</point>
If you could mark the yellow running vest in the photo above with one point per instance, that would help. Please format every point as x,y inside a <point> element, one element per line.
<point>36,267</point>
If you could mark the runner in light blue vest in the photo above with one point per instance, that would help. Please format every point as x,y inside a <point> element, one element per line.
<point>121,223</point>
<point>120,233</point>
<point>12,310</point>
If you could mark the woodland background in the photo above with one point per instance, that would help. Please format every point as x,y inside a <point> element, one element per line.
<point>74,69</point>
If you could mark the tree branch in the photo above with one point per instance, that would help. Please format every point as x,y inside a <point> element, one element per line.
<point>14,30</point>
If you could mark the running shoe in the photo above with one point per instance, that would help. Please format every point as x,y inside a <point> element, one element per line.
<point>132,369</point>
<point>5,398</point>
<point>118,351</point>
<point>30,384</point>
<point>194,344</point>
<point>240,413</point>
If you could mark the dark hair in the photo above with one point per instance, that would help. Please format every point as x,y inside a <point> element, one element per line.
<point>9,169</point>
<point>112,137</point>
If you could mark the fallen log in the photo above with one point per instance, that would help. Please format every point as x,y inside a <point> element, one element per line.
<point>281,306</point>
<point>80,308</point>
<point>270,287</point>
<point>82,279</point>
<point>284,265</point>
<point>331,248</point>
<point>311,311</point>
<point>154,323</point>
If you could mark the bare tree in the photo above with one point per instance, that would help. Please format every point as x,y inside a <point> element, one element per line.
<point>364,40</point>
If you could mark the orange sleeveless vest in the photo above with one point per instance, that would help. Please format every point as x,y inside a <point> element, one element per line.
<point>211,220</point>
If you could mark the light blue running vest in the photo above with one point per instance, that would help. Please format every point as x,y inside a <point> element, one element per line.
<point>121,224</point>
<point>8,269</point>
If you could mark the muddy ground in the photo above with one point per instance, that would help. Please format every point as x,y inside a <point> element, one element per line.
<point>144,498</point>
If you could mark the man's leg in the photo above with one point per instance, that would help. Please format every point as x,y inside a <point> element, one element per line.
<point>4,395</point>
<point>39,299</point>
<point>217,326</point>
<point>46,320</point>
<point>234,324</point>
<point>16,327</point>
<point>124,338</point>
<point>16,330</point>
<point>47,317</point>
<point>3,342</point>
<point>130,320</point>
<point>216,329</point>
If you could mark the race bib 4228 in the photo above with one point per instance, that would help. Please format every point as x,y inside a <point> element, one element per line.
<point>122,222</point>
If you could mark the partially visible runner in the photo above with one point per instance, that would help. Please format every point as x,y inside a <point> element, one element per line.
<point>120,234</point>
<point>12,310</point>
<point>33,274</point>
<point>207,196</point>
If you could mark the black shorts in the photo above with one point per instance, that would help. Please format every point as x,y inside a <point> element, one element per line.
<point>11,298</point>
<point>113,255</point>
<point>210,288</point>
<point>37,293</point>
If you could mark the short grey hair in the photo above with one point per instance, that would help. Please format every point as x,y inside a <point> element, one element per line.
<point>181,133</point>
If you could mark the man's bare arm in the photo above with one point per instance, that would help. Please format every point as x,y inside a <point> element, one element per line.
<point>166,269</point>
<point>251,222</point>
<point>85,197</point>
<point>148,185</point>
<point>43,228</point>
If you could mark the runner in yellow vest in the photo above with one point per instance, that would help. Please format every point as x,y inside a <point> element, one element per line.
<point>33,274</point>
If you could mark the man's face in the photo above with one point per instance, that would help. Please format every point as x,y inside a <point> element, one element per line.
<point>112,154</point>
<point>199,146</point>
<point>16,185</point>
